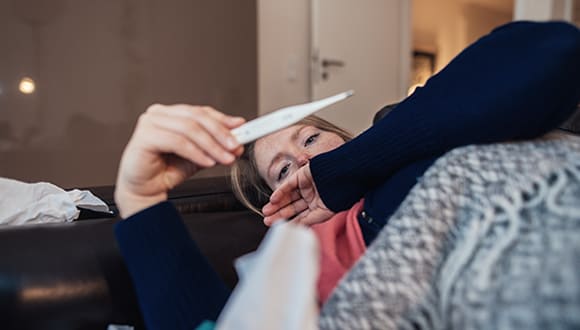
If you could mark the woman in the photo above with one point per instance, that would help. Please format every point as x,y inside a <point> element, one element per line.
<point>516,83</point>
<point>269,162</point>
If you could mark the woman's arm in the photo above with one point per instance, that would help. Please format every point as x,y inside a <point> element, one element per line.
<point>518,82</point>
<point>169,145</point>
<point>175,285</point>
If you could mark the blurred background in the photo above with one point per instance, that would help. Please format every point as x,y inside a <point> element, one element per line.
<point>75,75</point>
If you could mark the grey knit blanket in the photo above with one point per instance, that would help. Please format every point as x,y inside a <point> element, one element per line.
<point>489,238</point>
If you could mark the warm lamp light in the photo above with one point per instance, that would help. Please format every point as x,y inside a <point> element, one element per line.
<point>413,88</point>
<point>27,86</point>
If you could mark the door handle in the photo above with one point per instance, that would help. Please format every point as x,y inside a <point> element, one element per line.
<point>326,62</point>
<point>330,62</point>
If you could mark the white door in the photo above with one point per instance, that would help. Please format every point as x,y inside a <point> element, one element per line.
<point>362,45</point>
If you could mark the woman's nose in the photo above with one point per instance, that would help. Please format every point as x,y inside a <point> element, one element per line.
<point>302,159</point>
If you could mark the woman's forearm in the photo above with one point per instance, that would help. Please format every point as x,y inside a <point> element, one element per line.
<point>518,82</point>
<point>175,284</point>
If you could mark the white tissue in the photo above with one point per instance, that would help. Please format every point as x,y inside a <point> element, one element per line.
<point>85,199</point>
<point>277,288</point>
<point>119,327</point>
<point>27,203</point>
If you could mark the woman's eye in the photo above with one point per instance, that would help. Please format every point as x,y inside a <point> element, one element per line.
<point>311,139</point>
<point>283,172</point>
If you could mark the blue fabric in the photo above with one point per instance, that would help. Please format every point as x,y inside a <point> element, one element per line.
<point>518,82</point>
<point>176,286</point>
<point>383,201</point>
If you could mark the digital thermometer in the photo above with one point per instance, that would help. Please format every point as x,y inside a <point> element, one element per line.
<point>282,118</point>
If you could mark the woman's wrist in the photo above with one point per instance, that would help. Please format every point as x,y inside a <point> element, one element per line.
<point>129,203</point>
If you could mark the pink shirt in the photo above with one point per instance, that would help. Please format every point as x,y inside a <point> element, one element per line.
<point>341,244</point>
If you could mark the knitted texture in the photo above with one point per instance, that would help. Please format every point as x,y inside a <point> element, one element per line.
<point>489,238</point>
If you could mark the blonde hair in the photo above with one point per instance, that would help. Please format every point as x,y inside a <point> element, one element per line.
<point>251,189</point>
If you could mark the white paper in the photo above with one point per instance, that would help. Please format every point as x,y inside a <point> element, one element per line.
<point>119,327</point>
<point>277,288</point>
<point>42,202</point>
<point>86,200</point>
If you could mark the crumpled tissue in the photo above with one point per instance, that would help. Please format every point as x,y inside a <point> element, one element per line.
<point>42,202</point>
<point>277,287</point>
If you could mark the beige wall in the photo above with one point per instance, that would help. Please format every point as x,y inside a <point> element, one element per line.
<point>284,56</point>
<point>445,27</point>
<point>541,10</point>
<point>283,53</point>
<point>481,20</point>
<point>98,64</point>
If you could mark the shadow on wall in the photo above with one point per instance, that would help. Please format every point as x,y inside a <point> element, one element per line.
<point>98,64</point>
<point>88,149</point>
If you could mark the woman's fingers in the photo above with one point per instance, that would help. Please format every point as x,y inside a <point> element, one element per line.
<point>203,126</point>
<point>295,197</point>
<point>287,212</point>
<point>312,217</point>
<point>273,206</point>
<point>217,124</point>
<point>229,121</point>
<point>195,134</point>
<point>287,191</point>
<point>168,142</point>
<point>300,181</point>
<point>177,170</point>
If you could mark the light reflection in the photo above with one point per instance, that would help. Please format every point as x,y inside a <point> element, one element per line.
<point>412,89</point>
<point>27,85</point>
<point>62,291</point>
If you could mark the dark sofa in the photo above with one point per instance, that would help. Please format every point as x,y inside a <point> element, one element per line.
<point>71,275</point>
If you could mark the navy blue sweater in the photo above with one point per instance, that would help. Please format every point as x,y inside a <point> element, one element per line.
<point>518,82</point>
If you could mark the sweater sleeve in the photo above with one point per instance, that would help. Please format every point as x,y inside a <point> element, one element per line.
<point>176,287</point>
<point>518,82</point>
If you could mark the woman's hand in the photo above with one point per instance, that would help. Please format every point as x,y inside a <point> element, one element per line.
<point>297,199</point>
<point>169,145</point>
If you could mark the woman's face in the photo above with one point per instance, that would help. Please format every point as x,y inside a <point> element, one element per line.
<point>280,154</point>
